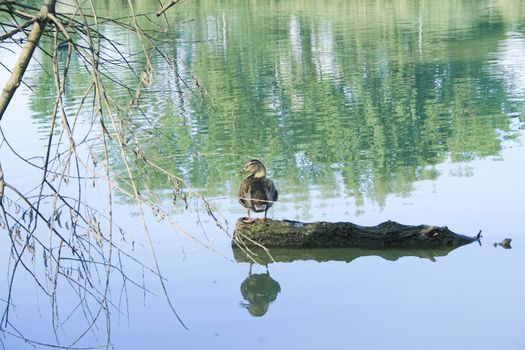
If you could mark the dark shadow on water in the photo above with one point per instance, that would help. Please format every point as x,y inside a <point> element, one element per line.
<point>259,290</point>
<point>334,254</point>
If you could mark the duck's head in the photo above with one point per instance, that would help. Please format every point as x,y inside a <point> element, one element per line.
<point>254,167</point>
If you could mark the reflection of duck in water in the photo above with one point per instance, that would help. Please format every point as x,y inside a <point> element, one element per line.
<point>257,192</point>
<point>259,290</point>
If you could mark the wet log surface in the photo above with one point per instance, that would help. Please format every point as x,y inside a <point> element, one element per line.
<point>286,233</point>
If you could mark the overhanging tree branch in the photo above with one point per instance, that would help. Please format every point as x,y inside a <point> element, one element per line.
<point>166,7</point>
<point>81,245</point>
<point>18,29</point>
<point>27,53</point>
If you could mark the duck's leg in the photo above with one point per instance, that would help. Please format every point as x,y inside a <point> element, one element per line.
<point>265,214</point>
<point>249,221</point>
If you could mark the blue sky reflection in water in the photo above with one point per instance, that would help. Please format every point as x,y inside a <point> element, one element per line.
<point>402,110</point>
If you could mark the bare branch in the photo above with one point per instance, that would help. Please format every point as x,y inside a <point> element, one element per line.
<point>25,57</point>
<point>166,7</point>
<point>18,29</point>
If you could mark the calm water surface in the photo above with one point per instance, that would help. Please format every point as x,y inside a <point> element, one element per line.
<point>363,111</point>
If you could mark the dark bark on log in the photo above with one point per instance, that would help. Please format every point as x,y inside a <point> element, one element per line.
<point>274,233</point>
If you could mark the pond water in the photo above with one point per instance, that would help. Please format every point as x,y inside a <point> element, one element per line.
<point>362,111</point>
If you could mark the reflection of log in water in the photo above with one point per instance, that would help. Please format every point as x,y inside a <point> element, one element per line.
<point>260,290</point>
<point>262,257</point>
<point>275,233</point>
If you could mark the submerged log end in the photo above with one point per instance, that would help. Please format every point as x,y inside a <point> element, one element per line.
<point>286,233</point>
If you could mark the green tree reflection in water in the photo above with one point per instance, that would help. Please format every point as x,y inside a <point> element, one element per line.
<point>352,98</point>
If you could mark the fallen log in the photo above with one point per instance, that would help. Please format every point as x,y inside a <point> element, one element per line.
<point>286,233</point>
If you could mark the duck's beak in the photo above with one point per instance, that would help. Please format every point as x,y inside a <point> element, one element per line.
<point>241,173</point>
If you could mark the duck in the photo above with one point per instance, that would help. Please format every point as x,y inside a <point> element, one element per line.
<point>257,192</point>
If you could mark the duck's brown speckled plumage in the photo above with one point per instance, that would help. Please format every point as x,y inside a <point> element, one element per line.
<point>257,192</point>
